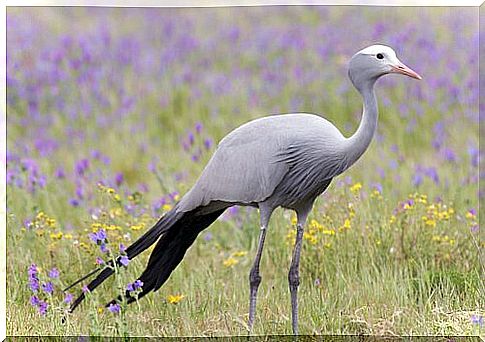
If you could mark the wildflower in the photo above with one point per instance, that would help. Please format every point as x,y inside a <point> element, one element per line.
<point>48,287</point>
<point>239,254</point>
<point>33,278</point>
<point>81,166</point>
<point>43,308</point>
<point>471,214</point>
<point>474,228</point>
<point>208,143</point>
<point>119,179</point>
<point>60,173</point>
<point>208,236</point>
<point>114,308</point>
<point>122,248</point>
<point>175,299</point>
<point>103,248</point>
<point>85,289</point>
<point>136,285</point>
<point>477,320</point>
<point>68,298</point>
<point>166,207</point>
<point>230,262</point>
<point>124,260</point>
<point>98,237</point>
<point>317,282</point>
<point>73,202</point>
<point>100,310</point>
<point>34,300</point>
<point>54,273</point>
<point>99,261</point>
<point>356,187</point>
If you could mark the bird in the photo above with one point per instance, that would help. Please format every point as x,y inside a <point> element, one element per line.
<point>284,160</point>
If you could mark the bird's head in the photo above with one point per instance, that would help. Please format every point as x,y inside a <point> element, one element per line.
<point>374,61</point>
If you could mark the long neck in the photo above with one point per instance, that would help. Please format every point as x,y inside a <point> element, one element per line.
<point>357,144</point>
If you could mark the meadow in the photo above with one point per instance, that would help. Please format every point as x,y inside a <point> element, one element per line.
<point>112,114</point>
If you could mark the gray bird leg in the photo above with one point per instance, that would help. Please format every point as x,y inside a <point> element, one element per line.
<point>294,274</point>
<point>254,277</point>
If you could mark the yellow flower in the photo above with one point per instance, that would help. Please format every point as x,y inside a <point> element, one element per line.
<point>100,310</point>
<point>56,236</point>
<point>293,220</point>
<point>430,222</point>
<point>174,299</point>
<point>166,207</point>
<point>68,236</point>
<point>229,262</point>
<point>137,226</point>
<point>239,254</point>
<point>310,237</point>
<point>347,224</point>
<point>392,219</point>
<point>328,232</point>
<point>356,187</point>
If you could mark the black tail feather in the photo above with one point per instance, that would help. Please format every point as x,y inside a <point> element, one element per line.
<point>179,232</point>
<point>169,252</point>
<point>145,241</point>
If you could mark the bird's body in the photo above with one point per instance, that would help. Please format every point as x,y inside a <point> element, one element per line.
<point>276,161</point>
<point>275,152</point>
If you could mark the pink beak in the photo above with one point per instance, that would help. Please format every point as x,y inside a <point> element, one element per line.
<point>402,69</point>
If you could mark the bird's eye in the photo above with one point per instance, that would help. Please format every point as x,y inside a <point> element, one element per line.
<point>379,56</point>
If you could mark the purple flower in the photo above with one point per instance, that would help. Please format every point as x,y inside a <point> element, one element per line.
<point>122,248</point>
<point>33,278</point>
<point>60,173</point>
<point>68,298</point>
<point>190,138</point>
<point>134,286</point>
<point>43,308</point>
<point>475,228</point>
<point>85,289</point>
<point>198,127</point>
<point>114,308</point>
<point>208,143</point>
<point>54,273</point>
<point>98,237</point>
<point>449,155</point>
<point>417,179</point>
<point>74,202</point>
<point>208,236</point>
<point>48,287</point>
<point>433,174</point>
<point>473,212</point>
<point>124,260</point>
<point>317,282</point>
<point>34,300</point>
<point>81,166</point>
<point>119,179</point>
<point>103,248</point>
<point>477,320</point>
<point>99,261</point>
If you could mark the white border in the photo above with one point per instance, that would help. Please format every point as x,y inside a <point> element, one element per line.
<point>141,3</point>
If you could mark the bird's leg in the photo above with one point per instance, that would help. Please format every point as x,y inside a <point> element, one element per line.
<point>255,278</point>
<point>294,275</point>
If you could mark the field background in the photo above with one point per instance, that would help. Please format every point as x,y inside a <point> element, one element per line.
<point>137,99</point>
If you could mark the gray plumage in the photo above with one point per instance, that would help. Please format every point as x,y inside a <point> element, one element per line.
<point>277,161</point>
